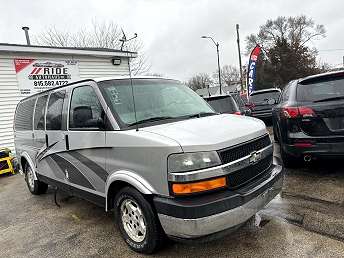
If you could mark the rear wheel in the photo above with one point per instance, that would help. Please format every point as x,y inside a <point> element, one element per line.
<point>137,221</point>
<point>36,187</point>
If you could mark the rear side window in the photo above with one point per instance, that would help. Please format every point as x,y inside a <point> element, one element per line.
<point>85,109</point>
<point>322,89</point>
<point>24,114</point>
<point>54,113</point>
<point>40,112</point>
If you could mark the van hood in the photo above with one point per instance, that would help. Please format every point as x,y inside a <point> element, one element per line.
<point>211,132</point>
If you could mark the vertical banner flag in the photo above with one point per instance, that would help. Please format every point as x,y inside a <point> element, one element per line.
<point>251,71</point>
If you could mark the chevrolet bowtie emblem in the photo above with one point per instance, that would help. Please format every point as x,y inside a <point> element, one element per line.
<point>255,156</point>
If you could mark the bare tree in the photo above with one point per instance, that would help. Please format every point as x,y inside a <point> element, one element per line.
<point>296,31</point>
<point>286,53</point>
<point>199,81</point>
<point>229,75</point>
<point>99,35</point>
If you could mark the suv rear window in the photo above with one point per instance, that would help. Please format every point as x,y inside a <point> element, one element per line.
<point>321,89</point>
<point>264,96</point>
<point>223,105</point>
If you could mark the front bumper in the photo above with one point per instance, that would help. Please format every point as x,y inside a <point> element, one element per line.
<point>204,215</point>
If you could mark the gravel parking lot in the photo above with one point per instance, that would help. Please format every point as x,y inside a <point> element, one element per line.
<point>305,220</point>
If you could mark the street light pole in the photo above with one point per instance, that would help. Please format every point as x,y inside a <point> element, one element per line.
<point>218,60</point>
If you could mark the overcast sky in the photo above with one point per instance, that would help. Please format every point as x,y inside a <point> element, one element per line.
<point>171,30</point>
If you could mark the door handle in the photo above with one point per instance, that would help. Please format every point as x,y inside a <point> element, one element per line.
<point>67,141</point>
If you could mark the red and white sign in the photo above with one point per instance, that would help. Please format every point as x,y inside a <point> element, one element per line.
<point>35,75</point>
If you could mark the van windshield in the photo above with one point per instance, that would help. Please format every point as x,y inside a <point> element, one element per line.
<point>155,100</point>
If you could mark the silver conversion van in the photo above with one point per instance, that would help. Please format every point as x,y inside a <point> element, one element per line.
<point>162,159</point>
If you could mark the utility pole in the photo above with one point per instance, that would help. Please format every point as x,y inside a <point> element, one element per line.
<point>239,52</point>
<point>218,66</point>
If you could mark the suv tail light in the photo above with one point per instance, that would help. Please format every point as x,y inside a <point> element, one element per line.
<point>294,112</point>
<point>237,113</point>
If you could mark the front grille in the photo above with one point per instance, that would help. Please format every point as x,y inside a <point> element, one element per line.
<point>245,175</point>
<point>3,165</point>
<point>237,152</point>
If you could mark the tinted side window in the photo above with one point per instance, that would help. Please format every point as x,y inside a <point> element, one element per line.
<point>85,109</point>
<point>54,113</point>
<point>24,114</point>
<point>40,112</point>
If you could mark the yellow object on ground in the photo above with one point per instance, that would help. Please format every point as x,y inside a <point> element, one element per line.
<point>6,159</point>
<point>6,166</point>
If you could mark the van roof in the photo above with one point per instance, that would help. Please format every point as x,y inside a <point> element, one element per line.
<point>97,79</point>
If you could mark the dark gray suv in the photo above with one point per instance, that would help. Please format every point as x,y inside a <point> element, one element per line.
<point>261,102</point>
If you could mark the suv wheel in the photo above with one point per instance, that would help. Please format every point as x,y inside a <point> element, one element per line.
<point>137,222</point>
<point>35,187</point>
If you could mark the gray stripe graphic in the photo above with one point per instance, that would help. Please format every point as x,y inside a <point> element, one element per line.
<point>75,176</point>
<point>90,164</point>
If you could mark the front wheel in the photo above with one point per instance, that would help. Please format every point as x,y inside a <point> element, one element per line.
<point>137,222</point>
<point>36,187</point>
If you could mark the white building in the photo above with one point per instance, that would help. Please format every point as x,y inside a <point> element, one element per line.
<point>25,70</point>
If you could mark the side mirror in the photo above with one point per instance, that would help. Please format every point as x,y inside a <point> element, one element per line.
<point>95,123</point>
<point>81,115</point>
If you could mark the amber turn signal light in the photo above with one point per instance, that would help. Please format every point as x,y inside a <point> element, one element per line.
<point>200,186</point>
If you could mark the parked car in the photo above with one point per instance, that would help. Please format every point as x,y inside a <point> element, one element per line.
<point>224,104</point>
<point>167,166</point>
<point>309,120</point>
<point>261,102</point>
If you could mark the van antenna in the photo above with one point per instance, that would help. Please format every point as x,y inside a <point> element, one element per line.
<point>125,40</point>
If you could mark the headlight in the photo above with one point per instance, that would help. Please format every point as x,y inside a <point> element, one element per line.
<point>183,162</point>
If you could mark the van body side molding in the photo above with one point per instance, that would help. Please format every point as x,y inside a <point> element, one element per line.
<point>131,178</point>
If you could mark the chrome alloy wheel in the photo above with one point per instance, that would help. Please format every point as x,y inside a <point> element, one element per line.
<point>132,220</point>
<point>30,178</point>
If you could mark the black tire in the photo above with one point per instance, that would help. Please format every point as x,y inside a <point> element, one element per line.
<point>36,187</point>
<point>154,235</point>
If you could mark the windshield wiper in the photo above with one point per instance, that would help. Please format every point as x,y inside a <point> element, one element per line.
<point>330,99</point>
<point>152,119</point>
<point>201,114</point>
